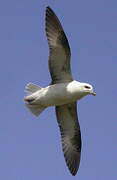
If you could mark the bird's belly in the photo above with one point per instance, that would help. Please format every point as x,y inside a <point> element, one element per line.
<point>55,96</point>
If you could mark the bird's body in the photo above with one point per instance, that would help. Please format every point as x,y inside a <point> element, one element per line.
<point>57,94</point>
<point>63,92</point>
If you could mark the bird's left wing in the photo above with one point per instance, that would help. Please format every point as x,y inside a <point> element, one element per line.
<point>70,134</point>
<point>59,58</point>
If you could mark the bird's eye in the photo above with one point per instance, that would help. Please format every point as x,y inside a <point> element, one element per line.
<point>87,87</point>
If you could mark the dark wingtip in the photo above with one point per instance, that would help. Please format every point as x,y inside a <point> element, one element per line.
<point>73,169</point>
<point>74,173</point>
<point>49,11</point>
<point>48,8</point>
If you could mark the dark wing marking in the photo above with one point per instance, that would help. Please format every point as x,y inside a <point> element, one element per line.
<point>59,58</point>
<point>70,134</point>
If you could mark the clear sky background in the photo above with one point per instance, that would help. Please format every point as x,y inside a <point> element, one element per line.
<point>30,147</point>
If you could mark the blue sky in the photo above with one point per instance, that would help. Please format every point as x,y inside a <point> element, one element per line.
<point>30,147</point>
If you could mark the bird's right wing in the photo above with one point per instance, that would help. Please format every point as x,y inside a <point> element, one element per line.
<point>59,58</point>
<point>70,134</point>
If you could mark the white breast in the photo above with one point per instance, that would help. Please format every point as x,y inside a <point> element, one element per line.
<point>58,94</point>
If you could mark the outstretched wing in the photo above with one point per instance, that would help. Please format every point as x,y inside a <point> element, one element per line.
<point>59,58</point>
<point>70,134</point>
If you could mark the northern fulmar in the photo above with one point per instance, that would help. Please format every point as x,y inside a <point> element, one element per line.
<point>63,92</point>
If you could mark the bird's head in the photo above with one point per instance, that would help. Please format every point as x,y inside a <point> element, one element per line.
<point>88,89</point>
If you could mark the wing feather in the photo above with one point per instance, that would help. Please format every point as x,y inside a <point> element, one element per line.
<point>59,58</point>
<point>70,135</point>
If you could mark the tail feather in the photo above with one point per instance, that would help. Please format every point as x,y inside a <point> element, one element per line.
<point>31,88</point>
<point>35,109</point>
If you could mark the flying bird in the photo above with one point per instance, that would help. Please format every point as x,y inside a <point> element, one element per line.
<point>63,92</point>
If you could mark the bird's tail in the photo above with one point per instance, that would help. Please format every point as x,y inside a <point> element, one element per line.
<point>32,88</point>
<point>29,100</point>
<point>35,109</point>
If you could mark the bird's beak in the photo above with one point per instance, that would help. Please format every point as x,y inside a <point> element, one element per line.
<point>93,93</point>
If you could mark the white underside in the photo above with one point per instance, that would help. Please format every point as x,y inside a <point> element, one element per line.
<point>53,95</point>
<point>57,94</point>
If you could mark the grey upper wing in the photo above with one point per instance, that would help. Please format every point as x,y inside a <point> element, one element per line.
<point>59,58</point>
<point>70,134</point>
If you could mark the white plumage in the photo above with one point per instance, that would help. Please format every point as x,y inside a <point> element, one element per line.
<point>63,92</point>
